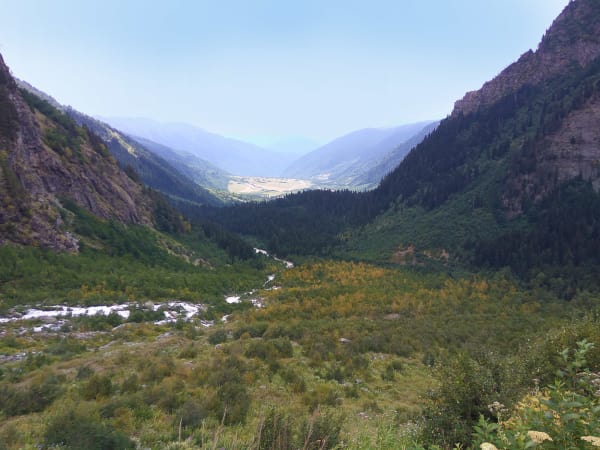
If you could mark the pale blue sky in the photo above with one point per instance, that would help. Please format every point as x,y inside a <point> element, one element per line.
<point>268,69</point>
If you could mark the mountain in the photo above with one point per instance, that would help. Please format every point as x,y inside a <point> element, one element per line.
<point>230,155</point>
<point>509,179</point>
<point>47,159</point>
<point>154,169</point>
<point>572,41</point>
<point>374,171</point>
<point>198,170</point>
<point>345,160</point>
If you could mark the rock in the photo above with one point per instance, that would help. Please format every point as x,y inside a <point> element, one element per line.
<point>573,39</point>
<point>34,175</point>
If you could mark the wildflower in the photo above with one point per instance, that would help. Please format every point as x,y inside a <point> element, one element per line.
<point>497,408</point>
<point>594,440</point>
<point>538,436</point>
<point>488,446</point>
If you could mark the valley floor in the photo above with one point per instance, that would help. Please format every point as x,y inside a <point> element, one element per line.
<point>266,187</point>
<point>342,355</point>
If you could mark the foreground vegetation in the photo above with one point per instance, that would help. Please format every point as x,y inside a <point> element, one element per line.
<point>344,355</point>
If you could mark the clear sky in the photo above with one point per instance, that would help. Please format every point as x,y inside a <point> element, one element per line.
<point>268,69</point>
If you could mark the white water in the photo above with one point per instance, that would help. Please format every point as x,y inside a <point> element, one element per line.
<point>173,311</point>
<point>288,264</point>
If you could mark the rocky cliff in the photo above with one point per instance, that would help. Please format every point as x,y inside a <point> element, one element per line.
<point>573,40</point>
<point>44,157</point>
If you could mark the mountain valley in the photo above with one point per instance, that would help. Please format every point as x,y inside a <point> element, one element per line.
<point>426,286</point>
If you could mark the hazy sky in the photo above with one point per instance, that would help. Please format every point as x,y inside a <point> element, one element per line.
<point>262,69</point>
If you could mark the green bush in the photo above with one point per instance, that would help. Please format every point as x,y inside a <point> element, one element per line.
<point>233,403</point>
<point>74,431</point>
<point>97,386</point>
<point>565,414</point>
<point>193,412</point>
<point>34,398</point>
<point>217,337</point>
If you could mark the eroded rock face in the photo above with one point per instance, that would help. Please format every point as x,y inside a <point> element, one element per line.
<point>34,176</point>
<point>573,39</point>
<point>572,151</point>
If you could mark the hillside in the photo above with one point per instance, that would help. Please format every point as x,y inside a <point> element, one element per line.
<point>46,157</point>
<point>198,170</point>
<point>153,169</point>
<point>231,155</point>
<point>354,160</point>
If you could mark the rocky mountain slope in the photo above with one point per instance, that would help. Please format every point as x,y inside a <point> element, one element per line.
<point>344,161</point>
<point>186,183</point>
<point>573,40</point>
<point>45,157</point>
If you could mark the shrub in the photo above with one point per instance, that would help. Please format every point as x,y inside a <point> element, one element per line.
<point>321,431</point>
<point>97,386</point>
<point>66,347</point>
<point>233,403</point>
<point>565,414</point>
<point>75,431</point>
<point>34,398</point>
<point>131,384</point>
<point>84,372</point>
<point>193,412</point>
<point>218,337</point>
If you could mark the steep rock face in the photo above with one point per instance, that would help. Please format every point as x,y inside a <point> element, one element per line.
<point>44,156</point>
<point>572,151</point>
<point>572,40</point>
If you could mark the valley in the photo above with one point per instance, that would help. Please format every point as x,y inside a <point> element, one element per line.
<point>426,286</point>
<point>263,187</point>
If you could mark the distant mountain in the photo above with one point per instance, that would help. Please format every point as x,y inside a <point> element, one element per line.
<point>345,161</point>
<point>46,160</point>
<point>155,170</point>
<point>198,170</point>
<point>371,176</point>
<point>230,155</point>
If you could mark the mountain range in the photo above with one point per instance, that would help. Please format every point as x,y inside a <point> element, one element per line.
<point>358,159</point>
<point>231,155</point>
